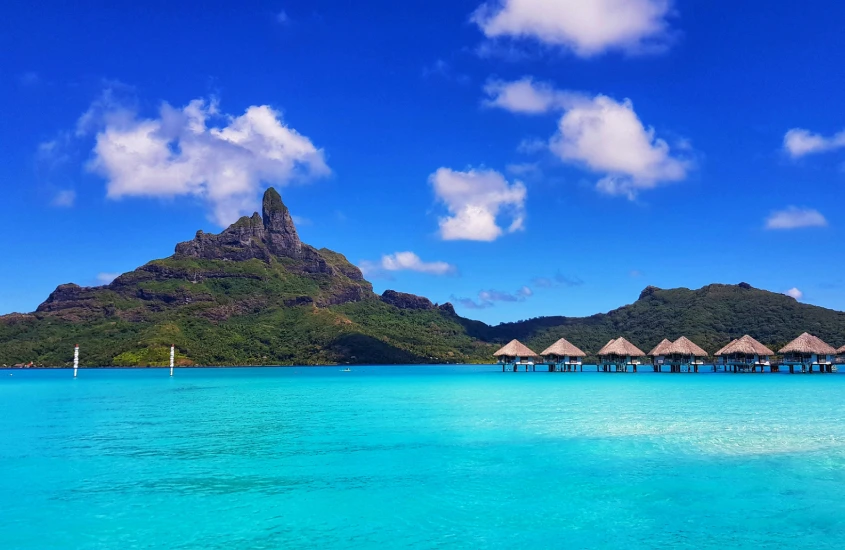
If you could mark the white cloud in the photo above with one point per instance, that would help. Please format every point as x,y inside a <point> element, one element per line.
<point>795,293</point>
<point>586,27</point>
<point>181,153</point>
<point>64,199</point>
<point>106,278</point>
<point>527,96</point>
<point>475,200</point>
<point>599,133</point>
<point>406,261</point>
<point>799,142</point>
<point>607,136</point>
<point>794,217</point>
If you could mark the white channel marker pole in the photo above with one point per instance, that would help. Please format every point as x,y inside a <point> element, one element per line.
<point>172,355</point>
<point>75,359</point>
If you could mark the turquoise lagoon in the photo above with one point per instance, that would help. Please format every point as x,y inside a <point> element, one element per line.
<point>420,457</point>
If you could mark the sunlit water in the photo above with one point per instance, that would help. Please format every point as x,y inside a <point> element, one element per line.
<point>420,457</point>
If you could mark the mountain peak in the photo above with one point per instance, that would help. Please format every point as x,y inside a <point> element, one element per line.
<point>280,233</point>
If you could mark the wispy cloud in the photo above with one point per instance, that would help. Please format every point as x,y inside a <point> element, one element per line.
<point>558,280</point>
<point>488,298</point>
<point>405,261</point>
<point>794,217</point>
<point>64,199</point>
<point>443,69</point>
<point>282,17</point>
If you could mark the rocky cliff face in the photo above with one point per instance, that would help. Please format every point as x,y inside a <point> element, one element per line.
<point>403,300</point>
<point>263,237</point>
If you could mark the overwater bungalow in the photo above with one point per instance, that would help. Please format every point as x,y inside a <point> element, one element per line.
<point>744,355</point>
<point>618,355</point>
<point>514,355</point>
<point>683,352</point>
<point>809,353</point>
<point>658,354</point>
<point>564,356</point>
<point>840,355</point>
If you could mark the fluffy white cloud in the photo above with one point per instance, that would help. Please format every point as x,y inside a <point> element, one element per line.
<point>795,293</point>
<point>406,261</point>
<point>599,133</point>
<point>475,200</point>
<point>799,142</point>
<point>181,153</point>
<point>607,136</point>
<point>587,27</point>
<point>64,199</point>
<point>794,218</point>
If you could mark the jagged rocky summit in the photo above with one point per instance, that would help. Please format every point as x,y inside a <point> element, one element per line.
<point>301,273</point>
<point>271,234</point>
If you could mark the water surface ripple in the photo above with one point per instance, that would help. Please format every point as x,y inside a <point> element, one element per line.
<point>419,457</point>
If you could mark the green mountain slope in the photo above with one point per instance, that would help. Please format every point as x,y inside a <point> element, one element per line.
<point>256,295</point>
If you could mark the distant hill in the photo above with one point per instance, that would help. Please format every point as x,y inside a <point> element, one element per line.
<point>256,295</point>
<point>710,316</point>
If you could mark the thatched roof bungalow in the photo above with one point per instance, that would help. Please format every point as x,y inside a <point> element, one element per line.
<point>515,353</point>
<point>684,351</point>
<point>621,354</point>
<point>841,351</point>
<point>564,354</point>
<point>808,351</point>
<point>744,353</point>
<point>686,348</point>
<point>563,348</point>
<point>515,349</point>
<point>660,349</point>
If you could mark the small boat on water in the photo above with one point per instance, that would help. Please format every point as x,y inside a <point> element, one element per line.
<point>346,370</point>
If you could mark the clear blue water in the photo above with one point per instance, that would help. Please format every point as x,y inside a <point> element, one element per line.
<point>420,457</point>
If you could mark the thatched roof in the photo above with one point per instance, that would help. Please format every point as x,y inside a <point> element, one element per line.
<point>841,350</point>
<point>807,343</point>
<point>746,345</point>
<point>685,346</point>
<point>660,349</point>
<point>515,348</point>
<point>621,347</point>
<point>563,347</point>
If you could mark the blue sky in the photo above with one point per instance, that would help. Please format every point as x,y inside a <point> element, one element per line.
<point>518,158</point>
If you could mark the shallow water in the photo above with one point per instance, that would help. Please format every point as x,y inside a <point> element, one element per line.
<point>420,457</point>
